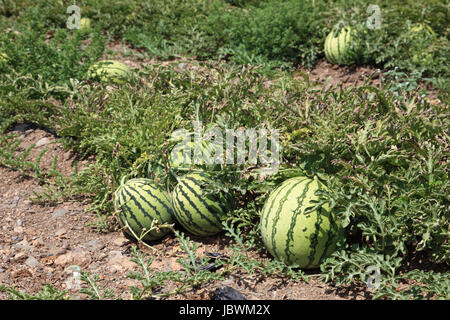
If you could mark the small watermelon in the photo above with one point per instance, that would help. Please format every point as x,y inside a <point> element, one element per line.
<point>140,201</point>
<point>337,46</point>
<point>85,24</point>
<point>418,35</point>
<point>421,29</point>
<point>292,235</point>
<point>179,157</point>
<point>3,57</point>
<point>109,71</point>
<point>198,212</point>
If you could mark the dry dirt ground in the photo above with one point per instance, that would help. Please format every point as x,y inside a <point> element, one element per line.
<point>39,243</point>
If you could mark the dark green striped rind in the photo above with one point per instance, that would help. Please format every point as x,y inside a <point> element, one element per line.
<point>289,233</point>
<point>337,47</point>
<point>197,213</point>
<point>140,201</point>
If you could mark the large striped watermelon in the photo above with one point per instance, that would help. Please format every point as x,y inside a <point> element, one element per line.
<point>109,71</point>
<point>196,210</point>
<point>140,201</point>
<point>338,45</point>
<point>292,235</point>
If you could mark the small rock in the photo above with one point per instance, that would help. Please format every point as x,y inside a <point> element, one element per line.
<point>60,232</point>
<point>22,245</point>
<point>20,256</point>
<point>95,245</point>
<point>18,229</point>
<point>75,258</point>
<point>32,262</point>
<point>2,270</point>
<point>37,243</point>
<point>118,262</point>
<point>55,252</point>
<point>227,293</point>
<point>27,203</point>
<point>14,201</point>
<point>42,142</point>
<point>120,241</point>
<point>22,127</point>
<point>57,213</point>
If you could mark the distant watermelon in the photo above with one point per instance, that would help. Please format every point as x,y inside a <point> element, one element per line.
<point>421,29</point>
<point>140,201</point>
<point>419,34</point>
<point>3,57</point>
<point>197,212</point>
<point>179,158</point>
<point>109,71</point>
<point>293,236</point>
<point>85,24</point>
<point>337,47</point>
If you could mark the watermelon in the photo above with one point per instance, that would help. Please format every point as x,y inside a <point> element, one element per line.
<point>421,29</point>
<point>419,34</point>
<point>3,57</point>
<point>139,202</point>
<point>197,212</point>
<point>178,158</point>
<point>337,46</point>
<point>85,24</point>
<point>109,71</point>
<point>290,234</point>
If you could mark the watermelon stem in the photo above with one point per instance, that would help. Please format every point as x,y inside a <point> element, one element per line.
<point>154,226</point>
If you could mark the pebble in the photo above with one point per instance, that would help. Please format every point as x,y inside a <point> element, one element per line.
<point>60,232</point>
<point>32,262</point>
<point>18,229</point>
<point>120,241</point>
<point>19,256</point>
<point>227,293</point>
<point>42,142</point>
<point>55,252</point>
<point>22,127</point>
<point>27,203</point>
<point>2,270</point>
<point>95,245</point>
<point>75,258</point>
<point>14,201</point>
<point>118,262</point>
<point>22,245</point>
<point>57,213</point>
<point>37,243</point>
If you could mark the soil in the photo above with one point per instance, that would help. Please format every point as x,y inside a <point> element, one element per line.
<point>41,243</point>
<point>331,75</point>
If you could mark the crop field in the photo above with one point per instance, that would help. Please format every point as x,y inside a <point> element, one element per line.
<point>224,149</point>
